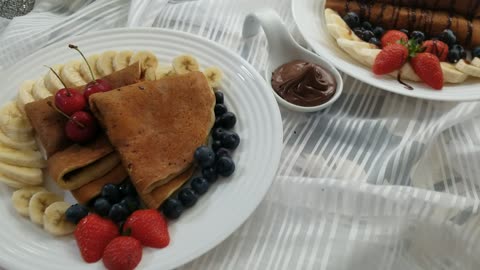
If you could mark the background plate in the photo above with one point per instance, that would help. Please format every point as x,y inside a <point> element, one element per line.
<point>309,16</point>
<point>217,214</point>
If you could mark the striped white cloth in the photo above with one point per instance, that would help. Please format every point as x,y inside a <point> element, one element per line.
<point>377,181</point>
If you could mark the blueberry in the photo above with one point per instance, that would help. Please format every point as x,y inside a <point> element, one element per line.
<point>476,52</point>
<point>419,36</point>
<point>378,31</point>
<point>367,26</point>
<point>352,19</point>
<point>111,193</point>
<point>358,32</point>
<point>102,206</point>
<point>200,185</point>
<point>204,156</point>
<point>130,203</point>
<point>222,152</point>
<point>367,35</point>
<point>118,213</point>
<point>219,97</point>
<point>375,41</point>
<point>172,208</point>
<point>227,120</point>
<point>126,188</point>
<point>225,166</point>
<point>187,197</point>
<point>75,213</point>
<point>231,140</point>
<point>220,109</point>
<point>448,37</point>
<point>460,49</point>
<point>453,56</point>
<point>218,133</point>
<point>404,31</point>
<point>210,174</point>
<point>216,144</point>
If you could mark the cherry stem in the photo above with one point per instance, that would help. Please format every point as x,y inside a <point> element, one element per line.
<point>71,46</point>
<point>62,113</point>
<point>58,76</point>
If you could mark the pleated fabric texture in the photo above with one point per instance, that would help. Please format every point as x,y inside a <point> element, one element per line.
<point>377,181</point>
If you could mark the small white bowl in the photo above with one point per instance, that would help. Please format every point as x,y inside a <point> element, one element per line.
<point>283,49</point>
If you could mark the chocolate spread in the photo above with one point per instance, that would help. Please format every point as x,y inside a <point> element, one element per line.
<point>303,83</point>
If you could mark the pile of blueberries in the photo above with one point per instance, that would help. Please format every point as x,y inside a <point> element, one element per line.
<point>373,34</point>
<point>214,161</point>
<point>115,202</point>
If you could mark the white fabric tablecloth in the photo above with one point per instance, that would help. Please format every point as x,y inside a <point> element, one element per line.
<point>377,181</point>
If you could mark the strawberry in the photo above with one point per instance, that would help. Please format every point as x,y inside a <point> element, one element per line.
<point>436,47</point>
<point>390,58</point>
<point>93,233</point>
<point>149,227</point>
<point>122,253</point>
<point>393,36</point>
<point>427,66</point>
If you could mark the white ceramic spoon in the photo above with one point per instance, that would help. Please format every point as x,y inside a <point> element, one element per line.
<point>283,49</point>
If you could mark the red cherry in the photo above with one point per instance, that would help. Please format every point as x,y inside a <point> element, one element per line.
<point>81,127</point>
<point>96,86</point>
<point>69,101</point>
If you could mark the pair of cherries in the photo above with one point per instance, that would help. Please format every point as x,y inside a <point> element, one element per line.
<point>81,125</point>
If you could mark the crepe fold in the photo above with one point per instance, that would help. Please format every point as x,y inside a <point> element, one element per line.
<point>431,22</point>
<point>49,124</point>
<point>78,165</point>
<point>155,126</point>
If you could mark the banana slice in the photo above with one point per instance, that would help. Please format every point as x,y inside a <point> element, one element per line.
<point>467,68</point>
<point>85,72</point>
<point>150,74</point>
<point>39,91</point>
<point>54,220</point>
<point>23,158</point>
<point>22,145</point>
<point>26,175</point>
<point>164,71</point>
<point>105,63</point>
<point>12,182</point>
<point>332,17</point>
<point>406,73</point>
<point>184,64</point>
<point>451,74</point>
<point>214,76</point>
<point>52,83</point>
<point>21,199</point>
<point>476,62</point>
<point>25,95</point>
<point>368,55</point>
<point>147,60</point>
<point>122,60</point>
<point>39,202</point>
<point>71,74</point>
<point>351,47</point>
<point>14,124</point>
<point>340,32</point>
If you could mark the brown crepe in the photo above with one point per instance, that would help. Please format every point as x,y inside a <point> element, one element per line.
<point>49,124</point>
<point>156,126</point>
<point>431,22</point>
<point>78,165</point>
<point>158,195</point>
<point>91,190</point>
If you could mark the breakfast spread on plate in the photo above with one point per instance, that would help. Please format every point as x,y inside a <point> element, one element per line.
<point>125,136</point>
<point>303,83</point>
<point>435,42</point>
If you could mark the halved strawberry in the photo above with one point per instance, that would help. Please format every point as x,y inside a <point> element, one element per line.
<point>427,67</point>
<point>392,37</point>
<point>390,59</point>
<point>436,47</point>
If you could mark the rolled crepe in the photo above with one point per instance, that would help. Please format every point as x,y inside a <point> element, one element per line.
<point>78,165</point>
<point>91,190</point>
<point>158,195</point>
<point>49,125</point>
<point>156,126</point>
<point>431,22</point>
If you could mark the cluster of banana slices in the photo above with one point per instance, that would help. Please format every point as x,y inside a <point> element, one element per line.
<point>43,208</point>
<point>366,53</point>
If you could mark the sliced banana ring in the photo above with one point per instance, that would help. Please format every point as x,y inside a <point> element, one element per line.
<point>164,71</point>
<point>214,76</point>
<point>14,124</point>
<point>22,145</point>
<point>21,199</point>
<point>122,60</point>
<point>25,95</point>
<point>39,203</point>
<point>28,176</point>
<point>39,91</point>
<point>85,72</point>
<point>105,63</point>
<point>24,158</point>
<point>12,182</point>
<point>184,64</point>
<point>52,83</point>
<point>467,68</point>
<point>54,220</point>
<point>71,74</point>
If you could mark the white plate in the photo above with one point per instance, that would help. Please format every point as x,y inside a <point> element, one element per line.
<point>309,16</point>
<point>218,213</point>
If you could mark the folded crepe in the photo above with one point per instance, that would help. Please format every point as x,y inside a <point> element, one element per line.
<point>78,165</point>
<point>49,124</point>
<point>158,195</point>
<point>431,22</point>
<point>91,190</point>
<point>156,126</point>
